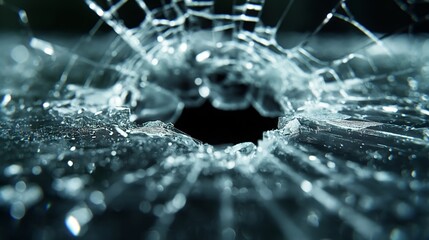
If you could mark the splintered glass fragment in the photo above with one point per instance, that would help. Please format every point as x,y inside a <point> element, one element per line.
<point>159,122</point>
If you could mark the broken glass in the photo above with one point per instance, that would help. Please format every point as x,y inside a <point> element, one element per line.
<point>89,148</point>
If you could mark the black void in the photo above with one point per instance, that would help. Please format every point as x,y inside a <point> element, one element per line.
<point>214,126</point>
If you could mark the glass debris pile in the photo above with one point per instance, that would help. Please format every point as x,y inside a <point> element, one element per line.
<point>88,148</point>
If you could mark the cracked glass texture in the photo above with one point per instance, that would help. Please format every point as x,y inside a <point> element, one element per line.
<point>89,150</point>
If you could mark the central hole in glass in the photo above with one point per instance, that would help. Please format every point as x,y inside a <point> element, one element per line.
<point>214,126</point>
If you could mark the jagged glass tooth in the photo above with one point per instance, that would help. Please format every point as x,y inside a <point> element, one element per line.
<point>366,141</point>
<point>165,130</point>
<point>245,149</point>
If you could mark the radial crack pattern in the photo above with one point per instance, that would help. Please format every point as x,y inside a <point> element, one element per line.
<point>89,150</point>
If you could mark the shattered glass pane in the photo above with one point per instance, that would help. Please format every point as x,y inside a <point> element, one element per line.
<point>88,146</point>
